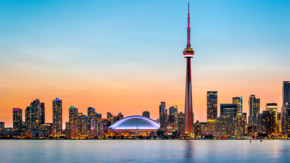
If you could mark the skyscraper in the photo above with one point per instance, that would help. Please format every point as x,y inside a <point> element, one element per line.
<point>57,116</point>
<point>42,113</point>
<point>239,102</point>
<point>239,125</point>
<point>73,121</point>
<point>229,112</point>
<point>17,119</point>
<point>27,120</point>
<point>46,128</point>
<point>35,118</point>
<point>286,99</point>
<point>272,107</point>
<point>286,117</point>
<point>163,117</point>
<point>211,105</point>
<point>121,115</point>
<point>181,123</point>
<point>85,125</point>
<point>99,116</point>
<point>246,122</point>
<point>197,130</point>
<point>162,107</point>
<point>146,114</point>
<point>264,119</point>
<point>257,111</point>
<point>211,110</point>
<point>188,53</point>
<point>254,109</point>
<point>91,122</point>
<point>67,130</point>
<point>251,106</point>
<point>221,126</point>
<point>173,112</point>
<point>286,92</point>
<point>109,116</point>
<point>80,124</point>
<point>2,126</point>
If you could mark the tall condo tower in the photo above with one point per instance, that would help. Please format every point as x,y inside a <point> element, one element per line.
<point>188,54</point>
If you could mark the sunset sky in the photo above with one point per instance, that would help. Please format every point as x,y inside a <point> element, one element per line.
<point>126,56</point>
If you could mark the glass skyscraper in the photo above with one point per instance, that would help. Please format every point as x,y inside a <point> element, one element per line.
<point>80,124</point>
<point>211,110</point>
<point>67,130</point>
<point>163,117</point>
<point>73,121</point>
<point>286,117</point>
<point>229,112</point>
<point>85,125</point>
<point>57,116</point>
<point>254,110</point>
<point>211,105</point>
<point>2,126</point>
<point>272,107</point>
<point>42,113</point>
<point>34,118</point>
<point>264,119</point>
<point>239,102</point>
<point>286,92</point>
<point>17,119</point>
<point>285,100</point>
<point>181,129</point>
<point>91,122</point>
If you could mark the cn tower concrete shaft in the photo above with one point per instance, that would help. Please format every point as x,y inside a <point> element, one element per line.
<point>188,99</point>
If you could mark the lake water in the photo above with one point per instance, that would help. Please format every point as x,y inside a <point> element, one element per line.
<point>32,151</point>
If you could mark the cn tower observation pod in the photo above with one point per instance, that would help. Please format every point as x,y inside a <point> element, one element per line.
<point>188,53</point>
<point>135,122</point>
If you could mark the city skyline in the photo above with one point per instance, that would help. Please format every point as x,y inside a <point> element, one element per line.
<point>81,74</point>
<point>38,110</point>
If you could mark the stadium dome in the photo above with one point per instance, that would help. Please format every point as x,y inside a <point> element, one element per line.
<point>135,122</point>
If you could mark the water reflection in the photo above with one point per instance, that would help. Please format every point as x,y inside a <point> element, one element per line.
<point>218,151</point>
<point>189,150</point>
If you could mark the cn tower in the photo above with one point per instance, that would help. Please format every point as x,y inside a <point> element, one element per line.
<point>188,53</point>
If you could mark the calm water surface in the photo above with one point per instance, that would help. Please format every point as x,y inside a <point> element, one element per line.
<point>32,151</point>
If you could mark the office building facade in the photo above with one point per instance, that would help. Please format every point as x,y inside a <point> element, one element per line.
<point>73,120</point>
<point>17,119</point>
<point>57,116</point>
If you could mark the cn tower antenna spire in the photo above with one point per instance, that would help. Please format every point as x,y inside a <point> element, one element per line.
<point>188,29</point>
